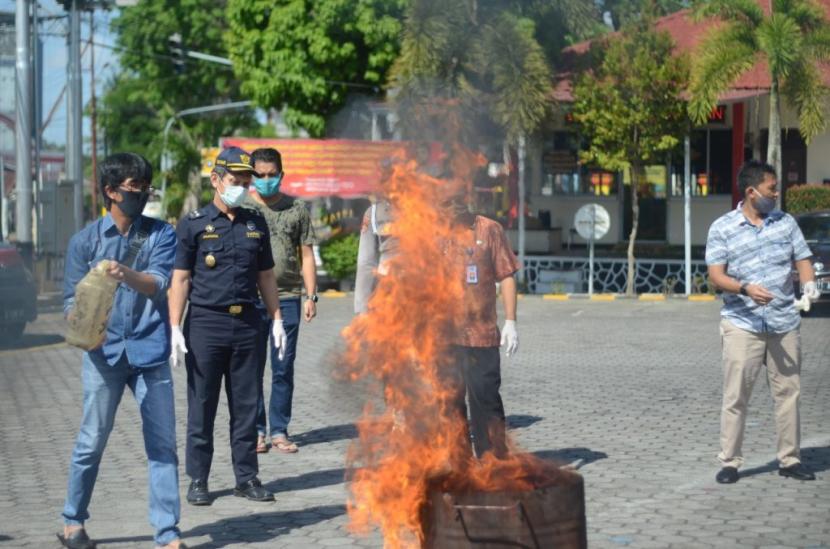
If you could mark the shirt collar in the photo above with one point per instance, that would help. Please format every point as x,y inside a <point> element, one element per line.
<point>109,228</point>
<point>772,217</point>
<point>212,211</point>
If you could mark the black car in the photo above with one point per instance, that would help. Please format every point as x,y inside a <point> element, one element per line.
<point>816,229</point>
<point>18,293</point>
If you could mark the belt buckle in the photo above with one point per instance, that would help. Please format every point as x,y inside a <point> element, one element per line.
<point>235,309</point>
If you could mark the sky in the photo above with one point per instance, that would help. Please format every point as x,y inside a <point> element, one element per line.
<point>55,60</point>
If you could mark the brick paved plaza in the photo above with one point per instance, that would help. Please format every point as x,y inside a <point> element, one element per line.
<point>629,392</point>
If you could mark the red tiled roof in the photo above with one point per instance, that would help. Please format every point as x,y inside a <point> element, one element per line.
<point>687,35</point>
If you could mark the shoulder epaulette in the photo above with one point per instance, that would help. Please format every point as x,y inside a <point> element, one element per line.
<point>195,214</point>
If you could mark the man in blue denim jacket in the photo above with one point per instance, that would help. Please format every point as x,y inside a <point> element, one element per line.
<point>135,351</point>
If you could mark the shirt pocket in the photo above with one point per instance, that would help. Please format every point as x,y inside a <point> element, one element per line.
<point>214,247</point>
<point>779,252</point>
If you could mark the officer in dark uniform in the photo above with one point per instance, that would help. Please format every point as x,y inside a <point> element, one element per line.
<point>223,257</point>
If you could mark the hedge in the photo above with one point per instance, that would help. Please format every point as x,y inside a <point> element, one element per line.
<point>339,256</point>
<point>808,198</point>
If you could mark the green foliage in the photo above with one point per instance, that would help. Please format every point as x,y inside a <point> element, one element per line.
<point>481,62</point>
<point>148,90</point>
<point>308,55</point>
<point>339,256</point>
<point>629,107</point>
<point>808,198</point>
<point>793,40</point>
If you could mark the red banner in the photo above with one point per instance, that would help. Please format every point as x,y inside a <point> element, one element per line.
<point>325,167</point>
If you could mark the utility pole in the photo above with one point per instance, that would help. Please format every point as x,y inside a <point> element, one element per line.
<point>74,121</point>
<point>37,119</point>
<point>23,130</point>
<point>94,118</point>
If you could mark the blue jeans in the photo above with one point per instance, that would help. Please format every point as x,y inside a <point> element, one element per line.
<point>103,386</point>
<point>282,372</point>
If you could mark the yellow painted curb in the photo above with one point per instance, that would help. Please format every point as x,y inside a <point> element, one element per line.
<point>556,297</point>
<point>652,297</point>
<point>334,293</point>
<point>603,297</point>
<point>703,297</point>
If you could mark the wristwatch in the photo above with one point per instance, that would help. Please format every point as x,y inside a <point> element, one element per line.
<point>743,288</point>
<point>312,297</point>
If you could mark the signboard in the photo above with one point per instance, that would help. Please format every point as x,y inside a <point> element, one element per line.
<point>592,221</point>
<point>325,167</point>
<point>209,154</point>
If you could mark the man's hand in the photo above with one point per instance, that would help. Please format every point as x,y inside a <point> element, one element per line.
<point>309,310</point>
<point>117,271</point>
<point>178,347</point>
<point>510,337</point>
<point>759,294</point>
<point>811,290</point>
<point>280,339</point>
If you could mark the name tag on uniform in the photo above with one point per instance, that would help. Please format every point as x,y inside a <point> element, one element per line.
<point>253,234</point>
<point>472,274</point>
<point>208,236</point>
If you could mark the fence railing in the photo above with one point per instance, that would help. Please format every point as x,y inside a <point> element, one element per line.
<point>556,274</point>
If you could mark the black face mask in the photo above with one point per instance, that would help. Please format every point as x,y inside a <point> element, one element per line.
<point>132,203</point>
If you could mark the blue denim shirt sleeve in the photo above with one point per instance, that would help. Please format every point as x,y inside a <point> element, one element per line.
<point>185,247</point>
<point>160,265</point>
<point>76,265</point>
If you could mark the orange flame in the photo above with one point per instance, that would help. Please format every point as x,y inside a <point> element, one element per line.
<point>410,437</point>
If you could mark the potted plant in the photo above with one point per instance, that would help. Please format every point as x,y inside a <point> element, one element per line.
<point>339,256</point>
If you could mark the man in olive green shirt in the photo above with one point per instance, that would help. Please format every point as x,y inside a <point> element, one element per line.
<point>292,238</point>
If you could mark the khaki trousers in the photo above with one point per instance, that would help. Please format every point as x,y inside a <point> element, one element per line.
<point>744,353</point>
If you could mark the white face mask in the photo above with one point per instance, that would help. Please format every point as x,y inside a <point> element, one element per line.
<point>233,196</point>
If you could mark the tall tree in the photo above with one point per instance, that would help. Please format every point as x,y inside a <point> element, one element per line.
<point>630,110</point>
<point>307,56</point>
<point>792,38</point>
<point>152,86</point>
<point>483,63</point>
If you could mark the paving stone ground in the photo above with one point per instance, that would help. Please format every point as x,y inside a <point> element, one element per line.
<point>628,392</point>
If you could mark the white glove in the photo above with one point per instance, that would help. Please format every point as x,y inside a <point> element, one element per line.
<point>178,347</point>
<point>279,338</point>
<point>803,304</point>
<point>510,337</point>
<point>810,290</point>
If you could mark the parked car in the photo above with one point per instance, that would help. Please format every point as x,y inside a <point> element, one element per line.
<point>816,229</point>
<point>18,293</point>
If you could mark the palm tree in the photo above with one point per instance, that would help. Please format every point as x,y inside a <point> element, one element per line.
<point>791,36</point>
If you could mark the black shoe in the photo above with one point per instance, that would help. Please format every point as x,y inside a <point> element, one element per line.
<point>797,472</point>
<point>253,490</point>
<point>77,540</point>
<point>727,475</point>
<point>198,493</point>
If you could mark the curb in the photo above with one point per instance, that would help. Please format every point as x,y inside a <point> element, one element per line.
<point>640,297</point>
<point>333,293</point>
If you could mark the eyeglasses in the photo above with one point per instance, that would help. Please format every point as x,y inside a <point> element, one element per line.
<point>141,189</point>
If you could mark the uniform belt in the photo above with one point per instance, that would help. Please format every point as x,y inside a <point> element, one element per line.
<point>236,309</point>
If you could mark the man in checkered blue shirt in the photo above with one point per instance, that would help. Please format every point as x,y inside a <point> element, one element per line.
<point>750,253</point>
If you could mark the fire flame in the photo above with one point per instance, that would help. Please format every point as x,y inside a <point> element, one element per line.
<point>411,440</point>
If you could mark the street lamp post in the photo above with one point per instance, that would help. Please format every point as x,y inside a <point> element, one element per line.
<point>166,161</point>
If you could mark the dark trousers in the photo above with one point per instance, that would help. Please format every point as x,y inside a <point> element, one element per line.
<point>282,371</point>
<point>221,345</point>
<point>477,374</point>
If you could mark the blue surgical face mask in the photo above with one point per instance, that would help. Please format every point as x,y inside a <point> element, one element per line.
<point>268,186</point>
<point>763,204</point>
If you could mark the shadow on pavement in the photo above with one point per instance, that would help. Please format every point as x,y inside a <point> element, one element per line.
<point>816,460</point>
<point>306,481</point>
<point>519,421</point>
<point>331,433</point>
<point>582,456</point>
<point>236,530</point>
<point>27,341</point>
